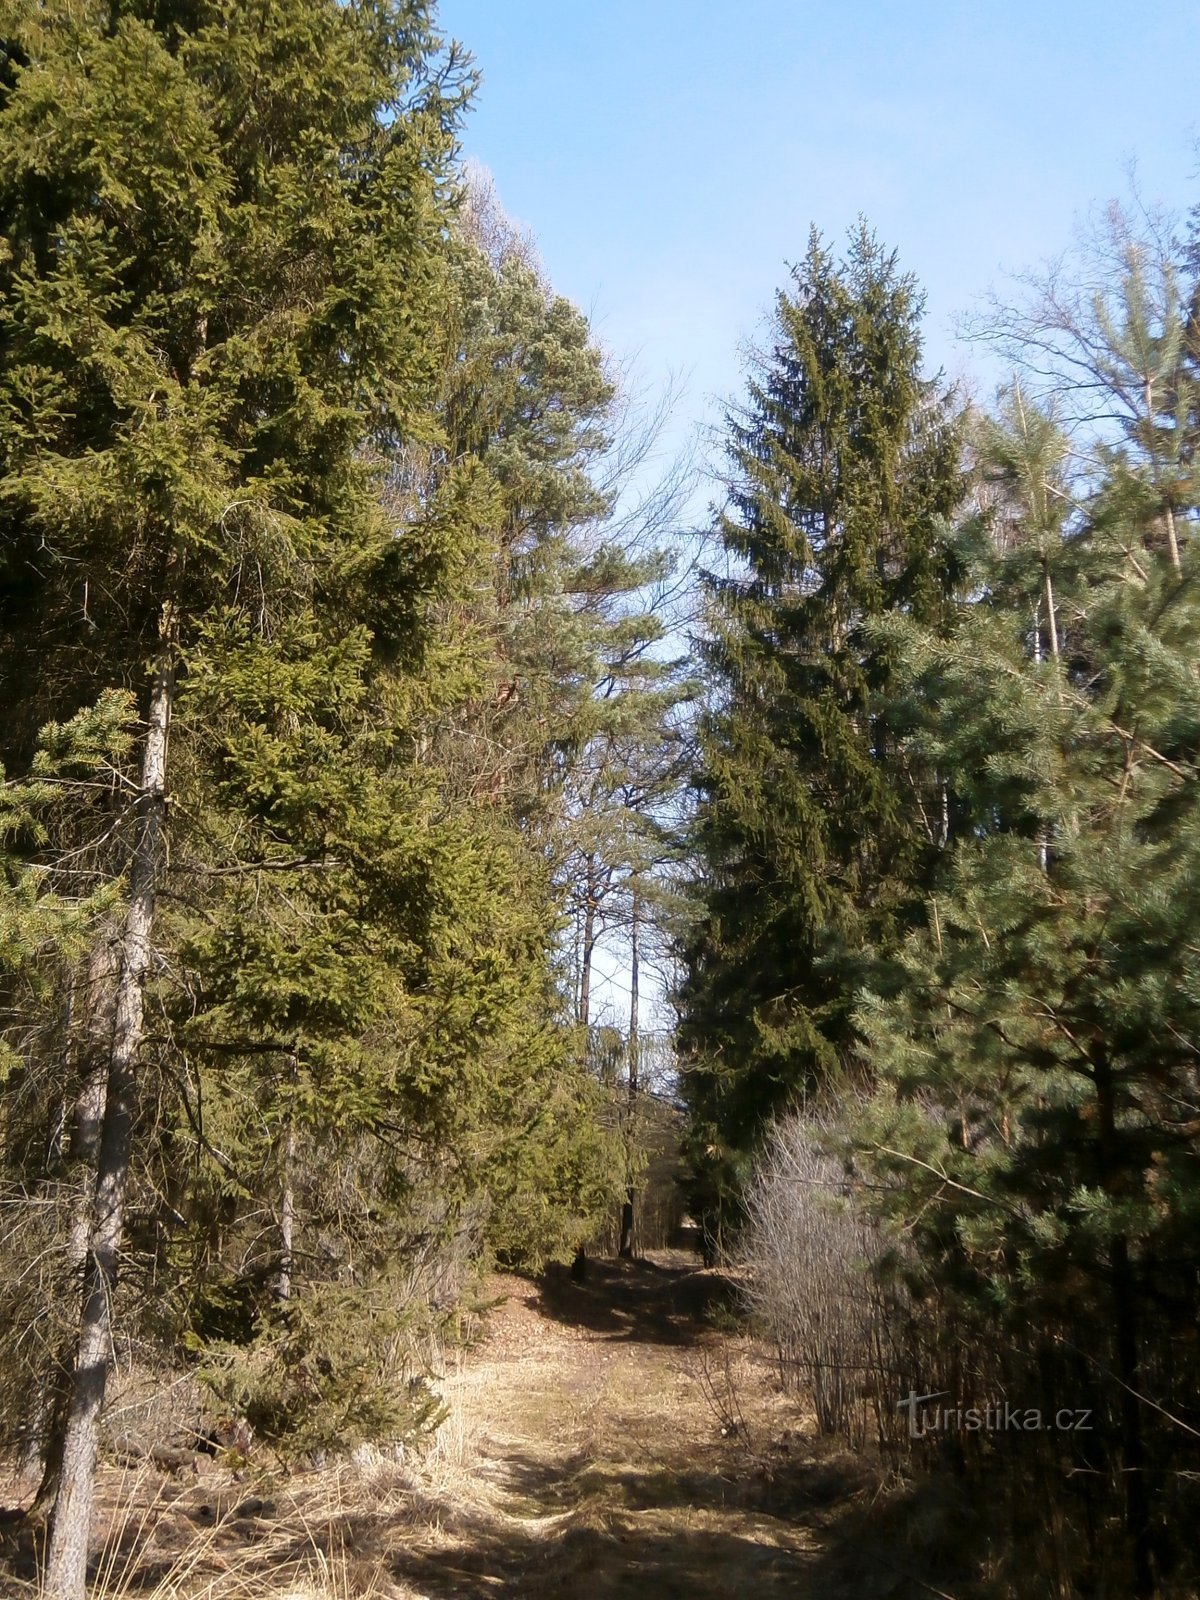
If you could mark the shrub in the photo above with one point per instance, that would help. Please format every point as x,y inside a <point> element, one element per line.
<point>818,1283</point>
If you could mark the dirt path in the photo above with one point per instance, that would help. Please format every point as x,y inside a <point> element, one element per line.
<point>620,1439</point>
<point>612,1441</point>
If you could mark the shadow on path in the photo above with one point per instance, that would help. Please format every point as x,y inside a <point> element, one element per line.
<point>644,1302</point>
<point>598,1473</point>
<point>694,1536</point>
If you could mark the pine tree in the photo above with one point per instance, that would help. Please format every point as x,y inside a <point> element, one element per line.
<point>1037,1119</point>
<point>1107,342</point>
<point>810,836</point>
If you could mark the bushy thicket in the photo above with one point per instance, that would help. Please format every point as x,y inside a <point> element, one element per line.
<point>825,1285</point>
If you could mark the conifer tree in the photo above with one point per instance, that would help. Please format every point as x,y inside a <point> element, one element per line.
<point>810,835</point>
<point>1036,1118</point>
<point>568,734</point>
<point>528,400</point>
<point>376,975</point>
<point>1107,342</point>
<point>221,235</point>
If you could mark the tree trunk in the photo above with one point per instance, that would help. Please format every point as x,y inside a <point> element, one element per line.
<point>1168,512</point>
<point>66,1569</point>
<point>1123,1288</point>
<point>287,1206</point>
<point>1043,843</point>
<point>587,953</point>
<point>1051,619</point>
<point>1172,538</point>
<point>74,1154</point>
<point>89,1060</point>
<point>287,1225</point>
<point>626,1248</point>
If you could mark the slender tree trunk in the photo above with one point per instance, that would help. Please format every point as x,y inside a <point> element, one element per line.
<point>1172,538</point>
<point>87,1052</point>
<point>66,1569</point>
<point>586,956</point>
<point>1043,843</point>
<point>1168,512</point>
<point>631,1109</point>
<point>92,1095</point>
<point>1125,1326</point>
<point>287,1226</point>
<point>36,1428</point>
<point>588,952</point>
<point>47,1434</point>
<point>287,1206</point>
<point>1051,620</point>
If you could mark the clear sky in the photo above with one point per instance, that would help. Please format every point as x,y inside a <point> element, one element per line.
<point>669,155</point>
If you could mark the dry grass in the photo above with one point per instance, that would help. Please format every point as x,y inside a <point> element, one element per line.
<point>605,1440</point>
<point>218,1539</point>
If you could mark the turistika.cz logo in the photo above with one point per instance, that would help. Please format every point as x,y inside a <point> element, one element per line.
<point>995,1416</point>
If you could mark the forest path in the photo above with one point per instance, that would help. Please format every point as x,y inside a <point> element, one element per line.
<point>620,1439</point>
<point>617,1439</point>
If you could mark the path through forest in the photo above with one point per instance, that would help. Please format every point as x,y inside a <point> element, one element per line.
<point>617,1439</point>
<point>621,1439</point>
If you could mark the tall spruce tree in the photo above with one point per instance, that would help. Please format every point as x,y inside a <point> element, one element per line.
<point>812,829</point>
<point>221,236</point>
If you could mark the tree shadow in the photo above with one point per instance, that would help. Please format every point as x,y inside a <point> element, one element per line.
<point>637,1535</point>
<point>22,1546</point>
<point>570,1527</point>
<point>641,1301</point>
<point>732,1483</point>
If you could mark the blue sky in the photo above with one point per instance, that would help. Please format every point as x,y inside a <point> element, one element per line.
<point>670,156</point>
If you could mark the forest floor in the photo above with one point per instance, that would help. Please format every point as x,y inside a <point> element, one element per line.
<point>617,1439</point>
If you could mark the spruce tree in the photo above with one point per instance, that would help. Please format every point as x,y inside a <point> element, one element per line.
<point>812,832</point>
<point>373,977</point>
<point>221,236</point>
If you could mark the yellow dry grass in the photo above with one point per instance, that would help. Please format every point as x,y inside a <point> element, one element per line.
<point>602,1440</point>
